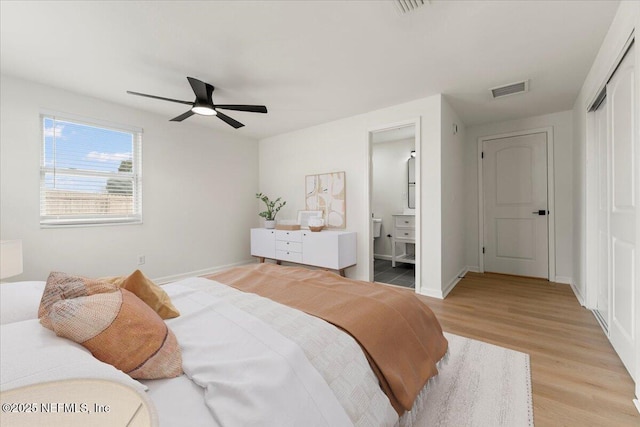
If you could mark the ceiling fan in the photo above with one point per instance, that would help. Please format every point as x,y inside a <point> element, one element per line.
<point>204,106</point>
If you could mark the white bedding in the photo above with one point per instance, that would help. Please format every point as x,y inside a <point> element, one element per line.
<point>31,354</point>
<point>233,346</point>
<point>19,301</point>
<point>179,402</point>
<point>334,355</point>
<point>249,371</point>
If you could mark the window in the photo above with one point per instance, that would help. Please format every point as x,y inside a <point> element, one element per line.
<point>90,173</point>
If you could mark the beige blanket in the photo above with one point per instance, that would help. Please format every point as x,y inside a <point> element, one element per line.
<point>399,334</point>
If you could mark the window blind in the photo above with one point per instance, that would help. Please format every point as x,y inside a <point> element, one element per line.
<point>90,173</point>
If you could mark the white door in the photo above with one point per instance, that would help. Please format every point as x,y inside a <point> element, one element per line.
<point>602,147</point>
<point>515,205</point>
<point>622,212</point>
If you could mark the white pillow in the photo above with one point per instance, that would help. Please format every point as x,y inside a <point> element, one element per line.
<point>31,354</point>
<point>19,301</point>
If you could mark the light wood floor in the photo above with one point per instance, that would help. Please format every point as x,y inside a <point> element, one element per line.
<point>577,378</point>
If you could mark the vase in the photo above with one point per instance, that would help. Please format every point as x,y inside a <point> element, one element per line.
<point>269,223</point>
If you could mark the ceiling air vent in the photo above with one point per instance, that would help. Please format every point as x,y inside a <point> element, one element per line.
<point>405,6</point>
<point>510,89</point>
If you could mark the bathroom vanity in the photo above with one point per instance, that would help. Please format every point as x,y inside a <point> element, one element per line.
<point>404,233</point>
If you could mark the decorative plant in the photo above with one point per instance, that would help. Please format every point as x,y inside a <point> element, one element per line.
<point>272,207</point>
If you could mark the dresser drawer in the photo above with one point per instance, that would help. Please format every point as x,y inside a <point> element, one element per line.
<point>282,245</point>
<point>289,236</point>
<point>405,233</point>
<point>289,256</point>
<point>405,221</point>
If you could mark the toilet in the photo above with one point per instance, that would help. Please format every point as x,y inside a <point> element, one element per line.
<point>377,227</point>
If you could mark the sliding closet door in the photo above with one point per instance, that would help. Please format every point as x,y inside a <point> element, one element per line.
<point>602,147</point>
<point>622,210</point>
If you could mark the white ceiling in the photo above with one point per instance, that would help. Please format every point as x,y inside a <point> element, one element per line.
<point>309,62</point>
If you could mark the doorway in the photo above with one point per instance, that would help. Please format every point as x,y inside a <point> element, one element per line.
<point>516,214</point>
<point>394,204</point>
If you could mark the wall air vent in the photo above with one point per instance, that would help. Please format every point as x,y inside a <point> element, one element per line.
<point>510,89</point>
<point>405,6</point>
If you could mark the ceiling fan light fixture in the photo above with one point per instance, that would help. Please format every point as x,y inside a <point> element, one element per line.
<point>204,110</point>
<point>204,106</point>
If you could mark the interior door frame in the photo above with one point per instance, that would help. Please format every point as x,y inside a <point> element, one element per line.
<point>415,122</point>
<point>551,224</point>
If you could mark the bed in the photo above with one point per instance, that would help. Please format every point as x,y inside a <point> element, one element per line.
<point>260,345</point>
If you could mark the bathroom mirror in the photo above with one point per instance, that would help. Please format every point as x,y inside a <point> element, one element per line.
<point>411,190</point>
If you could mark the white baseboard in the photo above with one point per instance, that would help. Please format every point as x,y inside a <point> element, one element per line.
<point>577,293</point>
<point>453,282</point>
<point>600,321</point>
<point>564,279</point>
<point>637,403</point>
<point>442,294</point>
<point>433,293</point>
<point>203,272</point>
<point>473,268</point>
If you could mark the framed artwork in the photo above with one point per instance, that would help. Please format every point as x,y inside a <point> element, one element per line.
<point>326,192</point>
<point>303,217</point>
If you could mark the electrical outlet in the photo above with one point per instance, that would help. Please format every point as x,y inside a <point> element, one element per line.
<point>141,259</point>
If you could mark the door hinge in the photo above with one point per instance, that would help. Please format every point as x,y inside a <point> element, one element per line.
<point>482,155</point>
<point>483,249</point>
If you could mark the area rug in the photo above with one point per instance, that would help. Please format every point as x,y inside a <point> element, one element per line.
<point>479,384</point>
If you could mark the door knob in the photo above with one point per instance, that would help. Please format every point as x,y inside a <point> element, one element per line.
<point>540,212</point>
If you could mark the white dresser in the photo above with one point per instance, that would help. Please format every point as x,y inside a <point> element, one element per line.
<point>335,250</point>
<point>404,232</point>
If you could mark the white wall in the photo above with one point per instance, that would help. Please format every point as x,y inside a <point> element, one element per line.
<point>563,165</point>
<point>453,197</point>
<point>390,187</point>
<point>626,20</point>
<point>199,189</point>
<point>343,146</point>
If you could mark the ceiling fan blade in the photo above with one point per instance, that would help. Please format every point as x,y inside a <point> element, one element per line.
<point>159,97</point>
<point>236,124</point>
<point>183,116</point>
<point>250,108</point>
<point>203,91</point>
